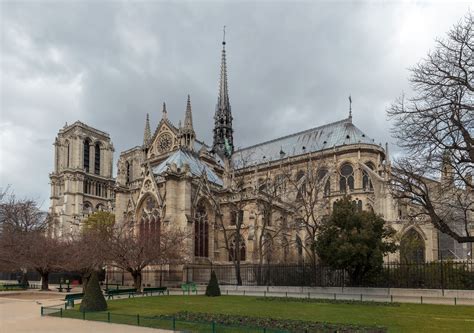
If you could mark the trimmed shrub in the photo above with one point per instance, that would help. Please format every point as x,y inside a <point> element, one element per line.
<point>213,289</point>
<point>93,299</point>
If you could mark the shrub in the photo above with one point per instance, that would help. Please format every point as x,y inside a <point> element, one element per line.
<point>213,289</point>
<point>93,299</point>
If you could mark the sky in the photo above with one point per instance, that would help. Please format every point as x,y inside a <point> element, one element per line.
<point>291,67</point>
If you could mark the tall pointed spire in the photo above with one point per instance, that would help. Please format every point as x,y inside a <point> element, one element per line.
<point>188,118</point>
<point>223,132</point>
<point>147,133</point>
<point>223,100</point>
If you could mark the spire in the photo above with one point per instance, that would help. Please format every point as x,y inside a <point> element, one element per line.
<point>188,118</point>
<point>165,113</point>
<point>223,100</point>
<point>186,133</point>
<point>223,143</point>
<point>147,133</point>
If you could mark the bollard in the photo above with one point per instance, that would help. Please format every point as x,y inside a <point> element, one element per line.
<point>264,293</point>
<point>286,294</point>
<point>41,311</point>
<point>421,298</point>
<point>334,296</point>
<point>455,301</point>
<point>244,292</point>
<point>108,317</point>
<point>308,295</point>
<point>361,297</point>
<point>61,312</point>
<point>391,298</point>
<point>174,323</point>
<point>138,320</point>
<point>227,292</point>
<point>83,315</point>
<point>213,325</point>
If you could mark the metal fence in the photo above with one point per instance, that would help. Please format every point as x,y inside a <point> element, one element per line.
<point>163,322</point>
<point>435,275</point>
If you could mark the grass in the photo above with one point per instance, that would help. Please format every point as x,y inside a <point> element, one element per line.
<point>403,318</point>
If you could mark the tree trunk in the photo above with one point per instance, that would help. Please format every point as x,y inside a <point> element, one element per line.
<point>85,280</point>
<point>44,281</point>
<point>237,273</point>
<point>137,280</point>
<point>24,278</point>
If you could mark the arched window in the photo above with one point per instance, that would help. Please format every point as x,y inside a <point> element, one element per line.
<point>301,184</point>
<point>299,248</point>
<point>86,163</point>
<point>97,159</point>
<point>366,181</point>
<point>357,204</point>
<point>68,154</point>
<point>233,248</point>
<point>327,185</point>
<point>128,167</point>
<point>412,247</point>
<point>268,246</point>
<point>286,248</point>
<point>346,181</point>
<point>201,232</point>
<point>87,208</point>
<point>150,222</point>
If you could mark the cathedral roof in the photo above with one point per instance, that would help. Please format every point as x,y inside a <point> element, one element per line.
<point>339,133</point>
<point>181,157</point>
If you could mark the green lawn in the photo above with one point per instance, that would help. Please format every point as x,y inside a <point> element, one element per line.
<point>403,318</point>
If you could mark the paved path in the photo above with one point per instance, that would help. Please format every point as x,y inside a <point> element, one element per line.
<point>20,312</point>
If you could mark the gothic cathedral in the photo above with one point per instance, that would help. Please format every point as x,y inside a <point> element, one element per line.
<point>160,182</point>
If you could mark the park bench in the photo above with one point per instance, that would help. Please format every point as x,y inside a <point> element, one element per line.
<point>9,286</point>
<point>111,293</point>
<point>67,288</point>
<point>189,287</point>
<point>159,290</point>
<point>70,299</point>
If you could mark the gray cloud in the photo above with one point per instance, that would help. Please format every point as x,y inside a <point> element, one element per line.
<point>291,67</point>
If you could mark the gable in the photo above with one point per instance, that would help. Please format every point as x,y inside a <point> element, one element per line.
<point>164,140</point>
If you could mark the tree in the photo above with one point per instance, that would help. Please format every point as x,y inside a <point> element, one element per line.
<point>24,241</point>
<point>435,127</point>
<point>87,249</point>
<point>93,299</point>
<point>307,198</point>
<point>132,250</point>
<point>355,241</point>
<point>213,289</point>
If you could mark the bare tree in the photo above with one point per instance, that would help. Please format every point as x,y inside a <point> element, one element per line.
<point>436,128</point>
<point>133,251</point>
<point>307,195</point>
<point>87,250</point>
<point>24,241</point>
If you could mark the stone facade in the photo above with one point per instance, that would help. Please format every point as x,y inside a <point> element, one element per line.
<point>160,182</point>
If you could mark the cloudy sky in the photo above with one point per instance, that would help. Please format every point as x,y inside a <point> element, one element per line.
<point>291,67</point>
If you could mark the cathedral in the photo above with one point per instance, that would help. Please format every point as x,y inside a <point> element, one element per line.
<point>163,181</point>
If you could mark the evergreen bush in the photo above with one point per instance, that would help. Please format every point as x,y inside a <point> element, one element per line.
<point>213,289</point>
<point>93,299</point>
